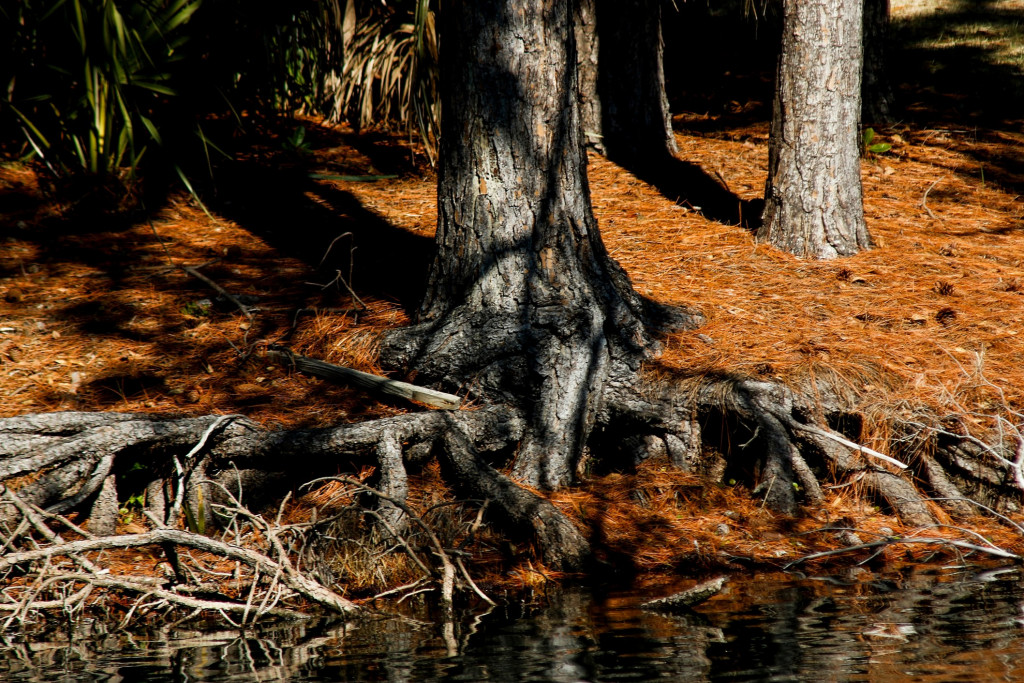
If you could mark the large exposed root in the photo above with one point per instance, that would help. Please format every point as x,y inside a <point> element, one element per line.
<point>561,544</point>
<point>786,442</point>
<point>783,439</point>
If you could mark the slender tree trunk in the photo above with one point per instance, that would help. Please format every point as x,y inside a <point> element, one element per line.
<point>587,62</point>
<point>624,109</point>
<point>522,298</point>
<point>878,98</point>
<point>813,198</point>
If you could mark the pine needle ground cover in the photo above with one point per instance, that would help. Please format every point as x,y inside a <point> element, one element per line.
<point>102,317</point>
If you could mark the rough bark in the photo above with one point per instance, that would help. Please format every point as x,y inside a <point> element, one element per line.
<point>587,62</point>
<point>813,197</point>
<point>59,461</point>
<point>779,435</point>
<point>522,300</point>
<point>878,100</point>
<point>524,514</point>
<point>622,81</point>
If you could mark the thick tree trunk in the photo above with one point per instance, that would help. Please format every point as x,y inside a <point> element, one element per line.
<point>622,81</point>
<point>813,197</point>
<point>523,301</point>
<point>876,90</point>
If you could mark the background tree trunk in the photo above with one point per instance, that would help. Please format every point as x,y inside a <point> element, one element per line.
<point>876,90</point>
<point>813,197</point>
<point>587,64</point>
<point>624,109</point>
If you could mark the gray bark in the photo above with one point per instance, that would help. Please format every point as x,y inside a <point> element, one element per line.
<point>878,100</point>
<point>813,197</point>
<point>624,108</point>
<point>587,62</point>
<point>522,300</point>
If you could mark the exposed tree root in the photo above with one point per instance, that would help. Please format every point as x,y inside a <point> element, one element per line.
<point>782,440</point>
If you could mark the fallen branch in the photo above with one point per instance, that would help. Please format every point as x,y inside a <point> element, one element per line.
<point>297,582</point>
<point>447,568</point>
<point>849,444</point>
<point>220,290</point>
<point>924,200</point>
<point>339,373</point>
<point>964,545</point>
<point>146,587</point>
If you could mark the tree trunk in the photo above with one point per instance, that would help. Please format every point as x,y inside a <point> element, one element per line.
<point>876,90</point>
<point>813,197</point>
<point>622,80</point>
<point>624,108</point>
<point>587,62</point>
<point>522,299</point>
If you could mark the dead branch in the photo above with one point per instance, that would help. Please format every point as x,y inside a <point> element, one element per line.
<point>300,584</point>
<point>924,200</point>
<point>220,290</point>
<point>147,588</point>
<point>684,600</point>
<point>447,568</point>
<point>365,380</point>
<point>882,544</point>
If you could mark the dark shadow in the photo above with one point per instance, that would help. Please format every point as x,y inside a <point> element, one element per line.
<point>953,71</point>
<point>636,133</point>
<point>958,76</point>
<point>301,217</point>
<point>954,67</point>
<point>112,253</point>
<point>720,64</point>
<point>688,184</point>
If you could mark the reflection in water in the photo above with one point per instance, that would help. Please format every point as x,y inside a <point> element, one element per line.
<point>927,626</point>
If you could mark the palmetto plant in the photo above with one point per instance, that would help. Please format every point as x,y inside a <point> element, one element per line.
<point>391,69</point>
<point>91,85</point>
<point>90,74</point>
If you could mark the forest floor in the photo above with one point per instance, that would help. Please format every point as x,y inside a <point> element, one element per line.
<point>97,314</point>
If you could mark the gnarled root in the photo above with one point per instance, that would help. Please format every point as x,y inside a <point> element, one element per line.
<point>790,447</point>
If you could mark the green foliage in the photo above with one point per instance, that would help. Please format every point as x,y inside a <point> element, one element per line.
<point>132,506</point>
<point>280,57</point>
<point>86,77</point>
<point>871,147</point>
<point>196,309</point>
<point>297,142</point>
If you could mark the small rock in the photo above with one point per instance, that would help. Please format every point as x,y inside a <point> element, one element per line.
<point>848,538</point>
<point>722,530</point>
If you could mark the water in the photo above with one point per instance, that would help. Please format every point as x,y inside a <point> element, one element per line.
<point>950,624</point>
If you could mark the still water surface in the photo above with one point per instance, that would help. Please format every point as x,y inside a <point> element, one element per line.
<point>949,624</point>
